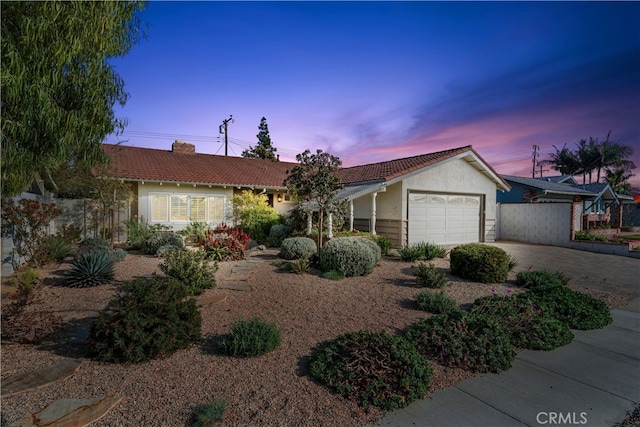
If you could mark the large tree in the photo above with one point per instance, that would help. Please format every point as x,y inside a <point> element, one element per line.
<point>58,87</point>
<point>264,149</point>
<point>314,180</point>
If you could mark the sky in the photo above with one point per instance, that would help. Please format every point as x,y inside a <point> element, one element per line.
<point>375,81</point>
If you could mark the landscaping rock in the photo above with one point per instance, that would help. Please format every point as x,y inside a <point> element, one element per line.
<point>25,381</point>
<point>70,412</point>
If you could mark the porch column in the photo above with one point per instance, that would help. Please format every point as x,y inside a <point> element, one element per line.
<point>330,225</point>
<point>373,213</point>
<point>309,222</point>
<point>350,215</point>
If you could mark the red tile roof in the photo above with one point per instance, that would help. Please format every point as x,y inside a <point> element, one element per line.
<point>145,164</point>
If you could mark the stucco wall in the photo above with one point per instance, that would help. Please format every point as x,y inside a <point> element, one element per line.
<point>541,223</point>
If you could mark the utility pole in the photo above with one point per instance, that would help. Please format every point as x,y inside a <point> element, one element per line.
<point>224,127</point>
<point>535,156</point>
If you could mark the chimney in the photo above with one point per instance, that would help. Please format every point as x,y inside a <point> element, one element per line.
<point>182,147</point>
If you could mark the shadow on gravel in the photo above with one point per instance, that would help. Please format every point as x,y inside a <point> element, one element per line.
<point>210,344</point>
<point>71,339</point>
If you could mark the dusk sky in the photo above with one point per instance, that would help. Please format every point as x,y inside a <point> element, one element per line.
<point>374,81</point>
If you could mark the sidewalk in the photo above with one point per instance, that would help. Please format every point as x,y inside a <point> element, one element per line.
<point>593,381</point>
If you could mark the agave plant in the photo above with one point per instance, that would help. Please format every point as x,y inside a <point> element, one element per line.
<point>90,269</point>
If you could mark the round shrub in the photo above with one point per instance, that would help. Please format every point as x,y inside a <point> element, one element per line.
<point>527,325</point>
<point>278,233</point>
<point>298,248</point>
<point>437,303</point>
<point>482,263</point>
<point>428,276</point>
<point>161,238</point>
<point>253,337</point>
<point>575,309</point>
<point>462,339</point>
<point>377,250</point>
<point>191,268</point>
<point>376,369</point>
<point>90,269</point>
<point>93,244</point>
<point>147,318</point>
<point>354,256</point>
<point>118,255</point>
<point>164,249</point>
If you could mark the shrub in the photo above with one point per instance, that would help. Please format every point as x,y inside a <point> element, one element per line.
<point>354,256</point>
<point>191,268</point>
<point>163,250</point>
<point>298,248</point>
<point>56,248</point>
<point>437,303</point>
<point>376,369</point>
<point>195,231</point>
<point>300,266</point>
<point>225,243</point>
<point>253,337</point>
<point>527,325</point>
<point>462,339</point>
<point>385,244</point>
<point>159,239</point>
<point>422,251</point>
<point>90,269</point>
<point>584,235</point>
<point>255,215</point>
<point>482,263</point>
<point>534,280</point>
<point>278,233</point>
<point>207,415</point>
<point>93,244</point>
<point>71,233</point>
<point>138,231</point>
<point>573,308</point>
<point>147,318</point>
<point>428,276</point>
<point>118,255</point>
<point>332,275</point>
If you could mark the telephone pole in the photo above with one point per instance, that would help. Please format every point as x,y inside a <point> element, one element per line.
<point>224,127</point>
<point>535,156</point>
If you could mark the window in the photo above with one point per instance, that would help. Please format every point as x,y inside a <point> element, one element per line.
<point>160,207</point>
<point>198,208</point>
<point>178,208</point>
<point>216,209</point>
<point>186,208</point>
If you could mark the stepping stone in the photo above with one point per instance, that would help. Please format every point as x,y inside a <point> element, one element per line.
<point>19,383</point>
<point>211,299</point>
<point>242,269</point>
<point>235,286</point>
<point>240,277</point>
<point>70,412</point>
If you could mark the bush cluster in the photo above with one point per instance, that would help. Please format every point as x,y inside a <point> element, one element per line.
<point>538,280</point>
<point>422,251</point>
<point>225,243</point>
<point>195,231</point>
<point>159,239</point>
<point>252,337</point>
<point>584,235</point>
<point>93,244</point>
<point>470,341</point>
<point>298,248</point>
<point>191,268</point>
<point>353,256</point>
<point>56,248</point>
<point>385,244</point>
<point>139,230</point>
<point>481,263</point>
<point>436,302</point>
<point>146,319</point>
<point>427,276</point>
<point>277,234</point>
<point>529,326</point>
<point>376,369</point>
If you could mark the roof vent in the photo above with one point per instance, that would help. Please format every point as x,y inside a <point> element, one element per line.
<point>182,147</point>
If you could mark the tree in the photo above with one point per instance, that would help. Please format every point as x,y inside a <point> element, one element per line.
<point>58,87</point>
<point>255,215</point>
<point>563,160</point>
<point>314,180</point>
<point>618,179</point>
<point>264,149</point>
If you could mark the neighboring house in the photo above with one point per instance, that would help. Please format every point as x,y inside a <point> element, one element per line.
<point>597,199</point>
<point>447,197</point>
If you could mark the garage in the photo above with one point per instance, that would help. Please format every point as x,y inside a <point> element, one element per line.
<point>444,219</point>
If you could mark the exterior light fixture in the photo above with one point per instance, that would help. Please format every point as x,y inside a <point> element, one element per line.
<point>279,198</point>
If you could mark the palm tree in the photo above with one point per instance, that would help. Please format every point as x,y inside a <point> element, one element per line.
<point>618,178</point>
<point>563,160</point>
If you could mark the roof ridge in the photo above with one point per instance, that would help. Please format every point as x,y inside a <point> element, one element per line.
<point>466,147</point>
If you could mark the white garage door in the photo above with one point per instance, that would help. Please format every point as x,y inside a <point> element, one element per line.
<point>444,219</point>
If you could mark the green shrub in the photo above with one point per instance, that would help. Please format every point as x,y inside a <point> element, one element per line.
<point>354,256</point>
<point>527,325</point>
<point>139,230</point>
<point>422,251</point>
<point>90,269</point>
<point>93,244</point>
<point>332,275</point>
<point>208,415</point>
<point>372,245</point>
<point>253,337</point>
<point>147,318</point>
<point>118,255</point>
<point>298,248</point>
<point>159,239</point>
<point>163,250</point>
<point>385,244</point>
<point>56,248</point>
<point>191,268</point>
<point>71,233</point>
<point>278,233</point>
<point>575,309</point>
<point>466,340</point>
<point>584,235</point>
<point>254,213</point>
<point>300,266</point>
<point>194,232</point>
<point>437,303</point>
<point>376,369</point>
<point>540,279</point>
<point>481,263</point>
<point>428,276</point>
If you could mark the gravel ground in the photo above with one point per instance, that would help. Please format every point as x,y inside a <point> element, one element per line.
<point>273,389</point>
